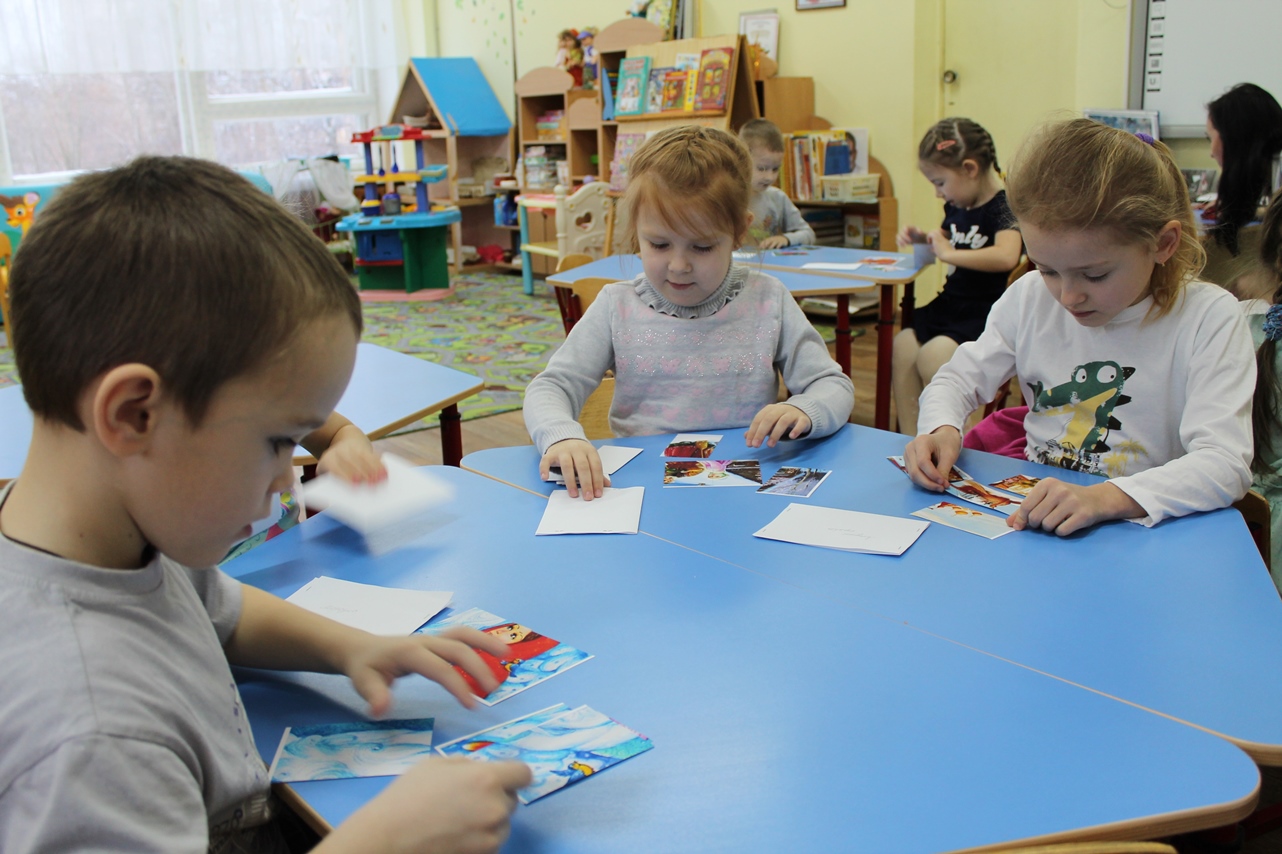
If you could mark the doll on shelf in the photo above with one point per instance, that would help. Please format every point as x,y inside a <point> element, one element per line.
<point>590,68</point>
<point>569,55</point>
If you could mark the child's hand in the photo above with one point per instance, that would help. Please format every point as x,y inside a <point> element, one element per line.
<point>930,458</point>
<point>351,457</point>
<point>942,244</point>
<point>454,805</point>
<point>374,662</point>
<point>1064,507</point>
<point>581,465</point>
<point>910,234</point>
<point>773,422</point>
<point>777,241</point>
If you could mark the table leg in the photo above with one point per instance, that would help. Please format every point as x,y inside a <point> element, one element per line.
<point>451,436</point>
<point>843,332</point>
<point>906,307</point>
<point>885,346</point>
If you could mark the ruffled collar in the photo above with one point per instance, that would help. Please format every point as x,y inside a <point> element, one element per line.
<point>731,285</point>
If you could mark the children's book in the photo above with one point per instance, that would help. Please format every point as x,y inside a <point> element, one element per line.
<point>624,146</point>
<point>714,78</point>
<point>654,89</point>
<point>634,74</point>
<point>561,746</point>
<point>674,90</point>
<point>809,155</point>
<point>689,63</point>
<point>531,657</point>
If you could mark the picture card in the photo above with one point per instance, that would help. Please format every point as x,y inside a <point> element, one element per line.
<point>846,530</point>
<point>356,749</point>
<point>1020,484</point>
<point>561,746</point>
<point>794,482</point>
<point>613,458</point>
<point>531,657</point>
<point>712,473</point>
<point>378,610</point>
<point>699,445</point>
<point>966,519</point>
<point>617,511</point>
<point>965,487</point>
<point>387,514</point>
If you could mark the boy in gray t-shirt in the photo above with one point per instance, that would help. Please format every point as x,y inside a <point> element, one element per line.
<point>177,333</point>
<point>776,222</point>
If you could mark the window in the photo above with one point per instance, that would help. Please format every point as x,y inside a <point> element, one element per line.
<point>86,84</point>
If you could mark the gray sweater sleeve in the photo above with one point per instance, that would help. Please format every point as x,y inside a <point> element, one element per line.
<point>555,397</point>
<point>822,391</point>
<point>796,229</point>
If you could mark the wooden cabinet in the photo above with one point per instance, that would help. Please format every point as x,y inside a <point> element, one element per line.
<point>789,102</point>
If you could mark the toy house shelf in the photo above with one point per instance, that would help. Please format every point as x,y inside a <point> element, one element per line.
<point>466,125</point>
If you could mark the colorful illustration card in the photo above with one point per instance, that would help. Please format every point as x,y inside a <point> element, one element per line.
<point>699,445</point>
<point>965,487</point>
<point>712,473</point>
<point>1020,484</point>
<point>965,519</point>
<point>355,749</point>
<point>794,482</point>
<point>531,658</point>
<point>561,746</point>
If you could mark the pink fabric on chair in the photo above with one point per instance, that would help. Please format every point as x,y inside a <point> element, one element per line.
<point>1000,433</point>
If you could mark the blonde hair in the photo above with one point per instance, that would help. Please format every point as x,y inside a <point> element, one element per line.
<point>762,133</point>
<point>1080,174</point>
<point>692,178</point>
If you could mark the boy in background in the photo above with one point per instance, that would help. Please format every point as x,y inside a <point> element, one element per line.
<point>776,222</point>
<point>179,332</point>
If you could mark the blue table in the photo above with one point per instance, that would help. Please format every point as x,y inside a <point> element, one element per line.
<point>787,267</point>
<point>1182,619</point>
<point>389,390</point>
<point>781,721</point>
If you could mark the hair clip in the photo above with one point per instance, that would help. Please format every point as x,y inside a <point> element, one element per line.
<point>1273,323</point>
<point>1145,137</point>
<point>948,143</point>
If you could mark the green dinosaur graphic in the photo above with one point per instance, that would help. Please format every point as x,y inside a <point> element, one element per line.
<point>1092,394</point>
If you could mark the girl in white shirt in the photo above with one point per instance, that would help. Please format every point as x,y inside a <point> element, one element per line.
<point>1132,370</point>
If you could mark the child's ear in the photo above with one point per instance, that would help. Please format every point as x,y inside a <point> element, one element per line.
<point>122,408</point>
<point>970,167</point>
<point>1168,240</point>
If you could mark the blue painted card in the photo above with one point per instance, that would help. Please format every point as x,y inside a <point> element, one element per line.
<point>561,746</point>
<point>353,749</point>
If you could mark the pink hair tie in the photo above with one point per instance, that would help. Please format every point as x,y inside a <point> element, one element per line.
<point>948,143</point>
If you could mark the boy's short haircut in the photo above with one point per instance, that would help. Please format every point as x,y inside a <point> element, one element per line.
<point>173,262</point>
<point>762,133</point>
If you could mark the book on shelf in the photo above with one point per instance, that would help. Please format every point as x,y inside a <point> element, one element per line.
<point>625,144</point>
<point>674,90</point>
<point>609,83</point>
<point>810,155</point>
<point>689,64</point>
<point>634,75</point>
<point>714,79</point>
<point>654,89</point>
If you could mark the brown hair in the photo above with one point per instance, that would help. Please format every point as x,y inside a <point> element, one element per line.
<point>762,133</point>
<point>172,262</point>
<point>691,177</point>
<point>951,142</point>
<point>1264,409</point>
<point>1080,174</point>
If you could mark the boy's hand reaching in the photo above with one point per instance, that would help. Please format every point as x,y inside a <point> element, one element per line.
<point>581,465</point>
<point>374,662</point>
<point>453,806</point>
<point>774,422</point>
<point>351,457</point>
<point>929,458</point>
<point>1064,507</point>
<point>777,241</point>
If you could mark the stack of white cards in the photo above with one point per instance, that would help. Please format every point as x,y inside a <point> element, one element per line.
<point>847,530</point>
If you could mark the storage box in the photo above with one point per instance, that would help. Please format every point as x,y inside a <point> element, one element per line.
<point>850,187</point>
